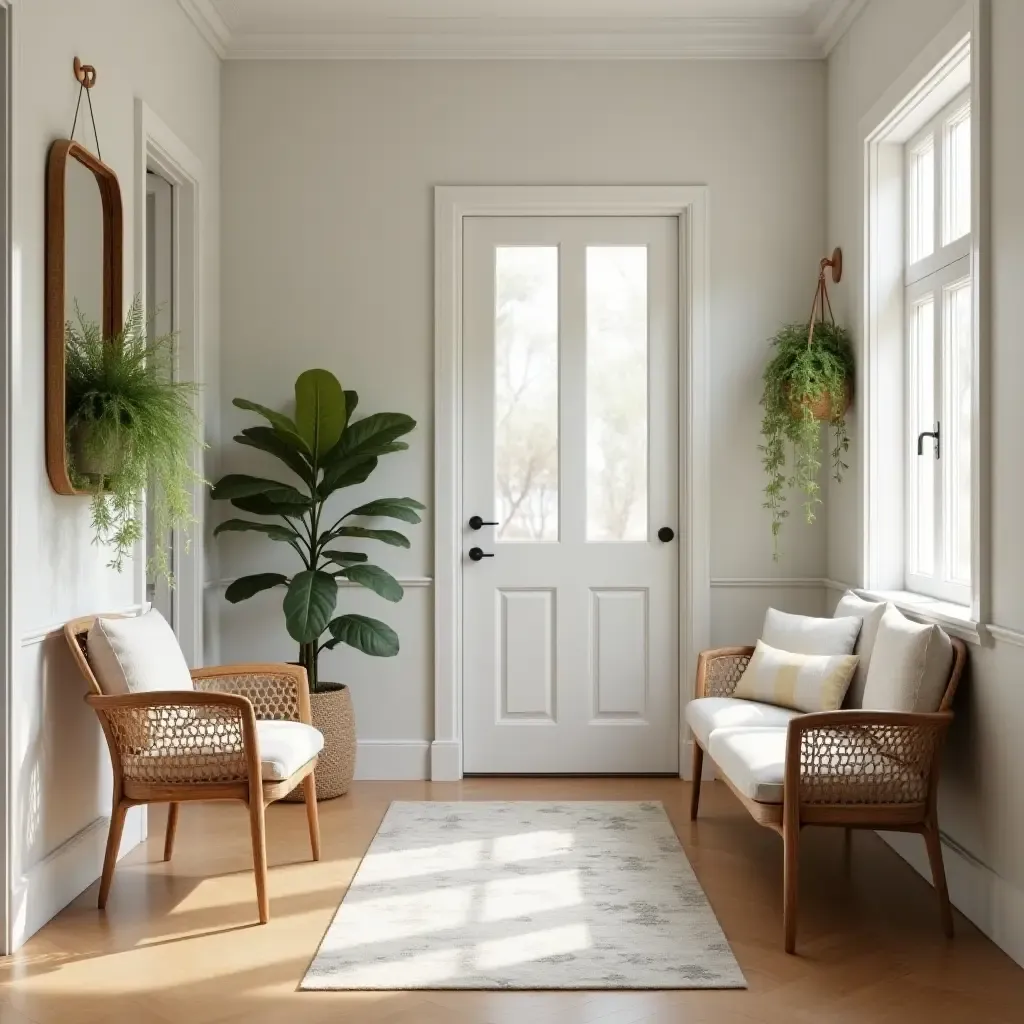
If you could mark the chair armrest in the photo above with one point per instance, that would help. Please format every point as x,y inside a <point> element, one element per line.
<point>864,757</point>
<point>719,671</point>
<point>277,691</point>
<point>173,737</point>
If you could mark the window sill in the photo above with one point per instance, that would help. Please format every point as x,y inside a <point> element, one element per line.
<point>955,619</point>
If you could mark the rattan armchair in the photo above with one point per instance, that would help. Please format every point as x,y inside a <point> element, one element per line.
<point>183,745</point>
<point>853,768</point>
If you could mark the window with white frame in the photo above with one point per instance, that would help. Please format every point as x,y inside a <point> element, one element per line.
<point>939,346</point>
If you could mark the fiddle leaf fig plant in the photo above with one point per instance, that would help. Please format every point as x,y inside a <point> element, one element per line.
<point>326,450</point>
<point>808,379</point>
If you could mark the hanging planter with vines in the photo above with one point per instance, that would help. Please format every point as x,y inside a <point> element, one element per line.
<point>808,381</point>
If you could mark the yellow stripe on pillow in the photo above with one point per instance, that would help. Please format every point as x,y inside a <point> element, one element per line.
<point>804,682</point>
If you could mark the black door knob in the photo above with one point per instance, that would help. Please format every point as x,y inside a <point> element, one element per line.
<point>475,523</point>
<point>477,553</point>
<point>665,534</point>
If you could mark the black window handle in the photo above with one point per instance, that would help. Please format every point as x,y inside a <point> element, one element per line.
<point>475,523</point>
<point>930,433</point>
<point>476,554</point>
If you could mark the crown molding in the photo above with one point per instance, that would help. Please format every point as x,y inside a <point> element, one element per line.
<point>544,38</point>
<point>211,25</point>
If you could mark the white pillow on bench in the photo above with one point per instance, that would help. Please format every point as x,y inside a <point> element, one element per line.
<point>870,613</point>
<point>805,634</point>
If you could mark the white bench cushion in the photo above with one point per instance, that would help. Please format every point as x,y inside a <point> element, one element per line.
<point>754,759</point>
<point>285,747</point>
<point>706,714</point>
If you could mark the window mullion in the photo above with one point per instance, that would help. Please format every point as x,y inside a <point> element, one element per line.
<point>939,405</point>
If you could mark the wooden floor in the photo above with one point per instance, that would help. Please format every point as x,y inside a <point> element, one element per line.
<point>178,942</point>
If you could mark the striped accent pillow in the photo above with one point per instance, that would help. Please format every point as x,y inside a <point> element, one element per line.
<point>804,682</point>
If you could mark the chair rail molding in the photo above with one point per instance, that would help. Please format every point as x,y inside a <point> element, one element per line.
<point>452,204</point>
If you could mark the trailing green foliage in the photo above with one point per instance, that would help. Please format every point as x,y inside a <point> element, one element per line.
<point>128,424</point>
<point>326,450</point>
<point>799,376</point>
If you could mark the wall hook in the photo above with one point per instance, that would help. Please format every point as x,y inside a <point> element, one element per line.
<point>84,73</point>
<point>836,263</point>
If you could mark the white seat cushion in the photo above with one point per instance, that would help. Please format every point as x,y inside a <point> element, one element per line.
<point>136,654</point>
<point>706,714</point>
<point>285,747</point>
<point>753,759</point>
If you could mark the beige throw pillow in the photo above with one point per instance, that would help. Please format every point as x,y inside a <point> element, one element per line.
<point>136,655</point>
<point>870,613</point>
<point>805,682</point>
<point>805,634</point>
<point>910,665</point>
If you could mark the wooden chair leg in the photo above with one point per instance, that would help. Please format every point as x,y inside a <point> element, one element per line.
<point>312,813</point>
<point>172,829</point>
<point>790,879</point>
<point>258,828</point>
<point>698,768</point>
<point>117,816</point>
<point>934,843</point>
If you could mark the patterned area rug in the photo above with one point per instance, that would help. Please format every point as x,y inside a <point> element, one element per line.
<point>524,895</point>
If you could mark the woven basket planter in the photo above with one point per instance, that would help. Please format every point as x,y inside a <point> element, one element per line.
<point>823,409</point>
<point>334,717</point>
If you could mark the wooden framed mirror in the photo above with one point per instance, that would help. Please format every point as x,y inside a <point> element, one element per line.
<point>84,267</point>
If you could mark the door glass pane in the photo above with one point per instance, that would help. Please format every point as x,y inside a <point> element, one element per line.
<point>922,417</point>
<point>616,393</point>
<point>921,201</point>
<point>957,328</point>
<point>956,203</point>
<point>526,393</point>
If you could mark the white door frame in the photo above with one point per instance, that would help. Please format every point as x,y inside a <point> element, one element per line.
<point>158,149</point>
<point>688,203</point>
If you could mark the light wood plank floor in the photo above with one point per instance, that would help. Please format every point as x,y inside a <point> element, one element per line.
<point>179,944</point>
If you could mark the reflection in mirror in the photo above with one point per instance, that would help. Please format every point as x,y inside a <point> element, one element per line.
<point>83,244</point>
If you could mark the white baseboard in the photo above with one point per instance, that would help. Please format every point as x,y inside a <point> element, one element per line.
<point>446,761</point>
<point>48,887</point>
<point>992,903</point>
<point>392,760</point>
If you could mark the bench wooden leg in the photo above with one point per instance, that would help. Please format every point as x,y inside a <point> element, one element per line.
<point>120,809</point>
<point>790,878</point>
<point>258,829</point>
<point>934,843</point>
<point>312,817</point>
<point>698,768</point>
<point>172,829</point>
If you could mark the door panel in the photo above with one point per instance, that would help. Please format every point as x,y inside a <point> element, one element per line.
<point>570,446</point>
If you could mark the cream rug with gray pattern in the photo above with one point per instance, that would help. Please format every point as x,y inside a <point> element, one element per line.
<point>524,895</point>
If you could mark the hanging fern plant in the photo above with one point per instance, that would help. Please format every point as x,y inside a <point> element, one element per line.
<point>808,380</point>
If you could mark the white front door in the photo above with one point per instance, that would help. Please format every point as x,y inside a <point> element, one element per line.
<point>570,460</point>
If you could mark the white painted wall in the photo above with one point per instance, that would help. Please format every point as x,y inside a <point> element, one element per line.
<point>327,261</point>
<point>60,769</point>
<point>982,801</point>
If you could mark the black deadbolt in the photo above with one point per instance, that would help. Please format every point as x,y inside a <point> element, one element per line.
<point>665,534</point>
<point>477,553</point>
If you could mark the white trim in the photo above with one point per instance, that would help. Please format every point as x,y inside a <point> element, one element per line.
<point>392,760</point>
<point>44,633</point>
<point>992,903</point>
<point>802,37</point>
<point>47,887</point>
<point>211,25</point>
<point>157,148</point>
<point>767,582</point>
<point>1005,635</point>
<point>689,203</point>
<point>910,102</point>
<point>406,581</point>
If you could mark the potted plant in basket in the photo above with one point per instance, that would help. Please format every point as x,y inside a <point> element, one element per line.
<point>808,381</point>
<point>129,423</point>
<point>326,450</point>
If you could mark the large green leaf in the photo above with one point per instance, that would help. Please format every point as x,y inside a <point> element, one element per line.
<point>248,586</point>
<point>309,605</point>
<point>347,473</point>
<point>272,530</point>
<point>371,435</point>
<point>281,423</point>
<point>371,636</point>
<point>392,537</point>
<point>374,578</point>
<point>240,485</point>
<point>390,508</point>
<point>345,557</point>
<point>268,440</point>
<point>319,410</point>
<point>268,505</point>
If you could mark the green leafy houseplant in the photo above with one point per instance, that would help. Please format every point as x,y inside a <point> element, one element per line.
<point>809,379</point>
<point>326,451</point>
<point>129,424</point>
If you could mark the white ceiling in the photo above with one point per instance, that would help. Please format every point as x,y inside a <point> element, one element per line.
<point>395,29</point>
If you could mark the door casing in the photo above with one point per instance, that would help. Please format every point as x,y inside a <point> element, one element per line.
<point>452,204</point>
